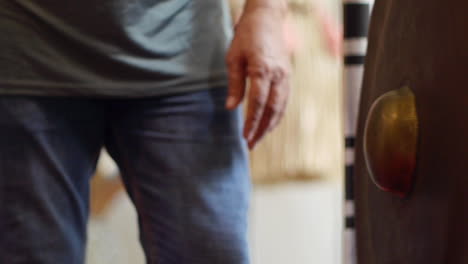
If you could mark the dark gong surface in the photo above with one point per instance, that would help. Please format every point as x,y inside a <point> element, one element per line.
<point>422,44</point>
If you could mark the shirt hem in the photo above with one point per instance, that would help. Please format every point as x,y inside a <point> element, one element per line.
<point>108,90</point>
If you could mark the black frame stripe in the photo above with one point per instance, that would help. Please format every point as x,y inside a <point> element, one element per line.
<point>350,222</point>
<point>350,142</point>
<point>356,19</point>
<point>349,182</point>
<point>354,60</point>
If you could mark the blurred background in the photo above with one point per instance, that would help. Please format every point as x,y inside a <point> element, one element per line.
<point>296,214</point>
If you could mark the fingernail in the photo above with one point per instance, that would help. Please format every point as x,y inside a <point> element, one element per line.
<point>252,145</point>
<point>250,136</point>
<point>231,101</point>
<point>245,136</point>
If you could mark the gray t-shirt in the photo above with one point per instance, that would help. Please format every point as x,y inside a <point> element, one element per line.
<point>123,48</point>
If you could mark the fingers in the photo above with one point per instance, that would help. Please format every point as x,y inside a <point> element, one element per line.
<point>258,97</point>
<point>237,81</point>
<point>273,112</point>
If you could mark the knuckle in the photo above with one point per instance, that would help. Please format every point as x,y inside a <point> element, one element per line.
<point>257,103</point>
<point>280,74</point>
<point>259,91</point>
<point>261,71</point>
<point>254,118</point>
<point>274,109</point>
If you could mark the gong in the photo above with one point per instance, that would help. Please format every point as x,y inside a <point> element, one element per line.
<point>412,147</point>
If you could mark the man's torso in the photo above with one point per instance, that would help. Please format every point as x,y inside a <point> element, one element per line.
<point>112,47</point>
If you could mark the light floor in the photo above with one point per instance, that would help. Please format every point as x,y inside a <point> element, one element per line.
<point>294,223</point>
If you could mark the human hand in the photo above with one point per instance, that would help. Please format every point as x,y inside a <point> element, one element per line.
<point>258,53</point>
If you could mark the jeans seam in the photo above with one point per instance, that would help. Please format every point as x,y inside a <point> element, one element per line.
<point>151,256</point>
<point>183,222</point>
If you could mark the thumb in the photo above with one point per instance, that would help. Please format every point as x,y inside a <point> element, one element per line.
<point>237,82</point>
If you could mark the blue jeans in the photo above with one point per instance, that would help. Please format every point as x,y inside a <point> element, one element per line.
<point>183,162</point>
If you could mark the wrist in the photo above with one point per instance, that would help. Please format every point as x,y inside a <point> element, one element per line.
<point>276,7</point>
